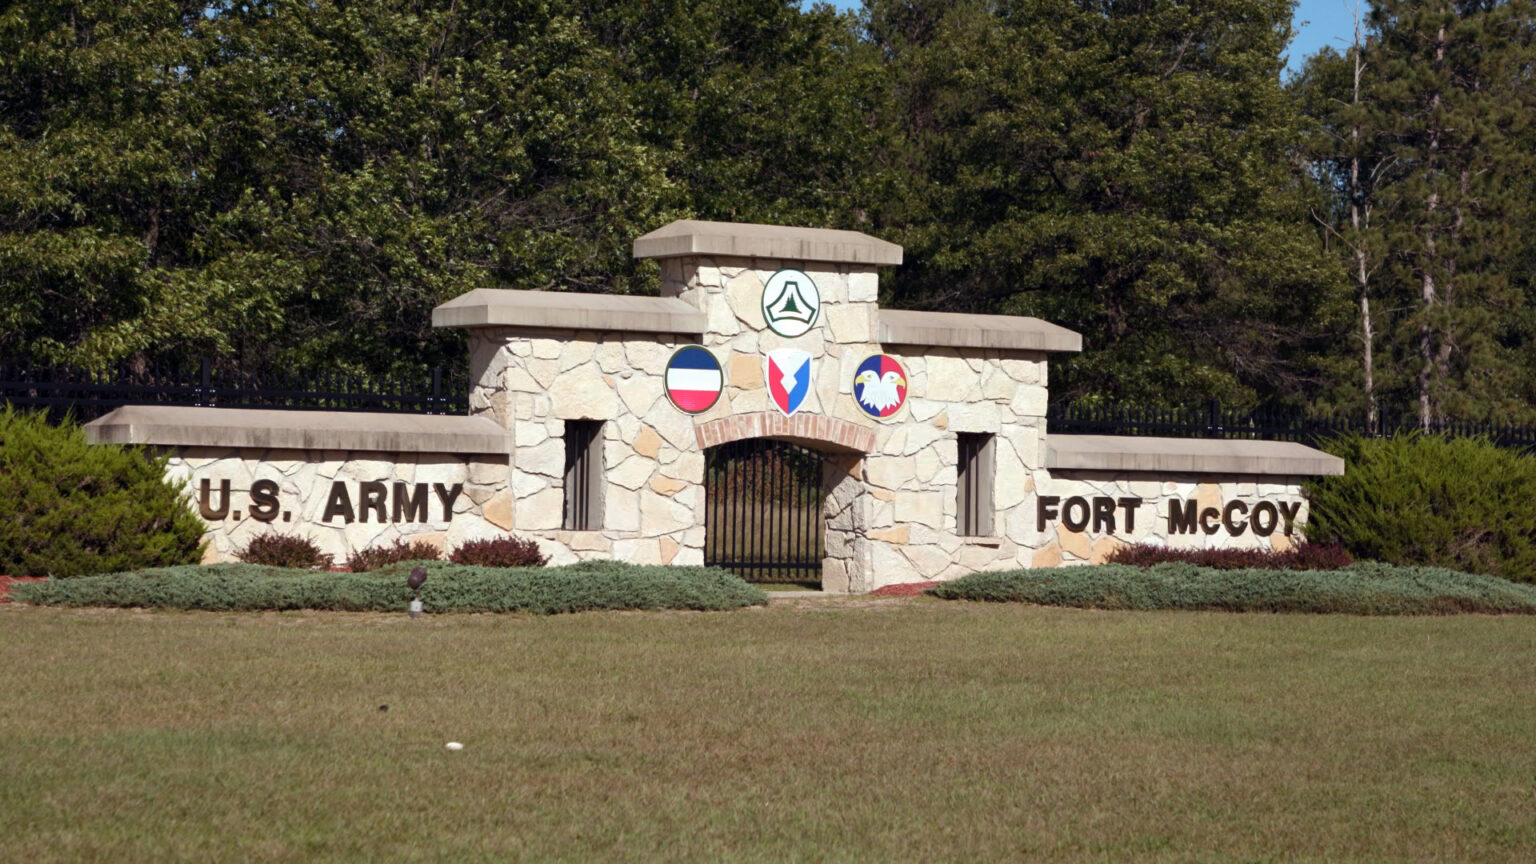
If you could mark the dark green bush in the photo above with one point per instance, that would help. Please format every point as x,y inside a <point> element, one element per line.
<point>365,560</point>
<point>449,588</point>
<point>500,552</point>
<point>1460,503</point>
<point>284,550</point>
<point>69,508</point>
<point>1362,588</point>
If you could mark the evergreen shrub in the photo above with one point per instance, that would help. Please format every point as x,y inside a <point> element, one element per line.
<point>449,588</point>
<point>1362,588</point>
<point>1306,556</point>
<point>1460,503</point>
<point>284,550</point>
<point>365,560</point>
<point>500,552</point>
<point>68,508</point>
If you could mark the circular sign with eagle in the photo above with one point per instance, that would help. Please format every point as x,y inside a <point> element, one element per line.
<point>880,386</point>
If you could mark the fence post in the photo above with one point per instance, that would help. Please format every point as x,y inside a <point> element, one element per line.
<point>205,380</point>
<point>436,406</point>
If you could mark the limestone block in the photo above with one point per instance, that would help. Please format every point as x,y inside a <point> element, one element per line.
<point>664,485</point>
<point>923,410</point>
<point>662,515</point>
<point>834,576</point>
<point>722,320</point>
<point>638,551</point>
<point>1022,371</point>
<point>621,509</point>
<point>1074,543</point>
<point>927,561</point>
<point>890,566</point>
<point>649,356</point>
<point>850,322</point>
<point>745,293</point>
<point>525,484</point>
<point>919,437</point>
<point>687,466</point>
<point>590,541</point>
<point>997,385</point>
<point>577,353</point>
<point>547,349</point>
<point>669,549</point>
<point>632,472</point>
<point>542,511</point>
<point>1029,401</point>
<point>839,544</point>
<point>689,557</point>
<point>583,394</point>
<point>1012,478</point>
<point>925,508</point>
<point>974,417</point>
<point>745,371</point>
<point>675,427</point>
<point>863,286</point>
<point>544,372</point>
<point>1208,495</point>
<point>610,357</point>
<point>1103,548</point>
<point>520,348</point>
<point>951,378</point>
<point>498,511</point>
<point>640,393</point>
<point>647,443</point>
<point>890,472</point>
<point>547,458</point>
<point>928,465</point>
<point>745,342</point>
<point>481,472</point>
<point>899,535</point>
<point>1047,556</point>
<point>1279,542</point>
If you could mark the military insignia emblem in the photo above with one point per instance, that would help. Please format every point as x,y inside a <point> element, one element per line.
<point>791,303</point>
<point>694,379</point>
<point>788,374</point>
<point>880,386</point>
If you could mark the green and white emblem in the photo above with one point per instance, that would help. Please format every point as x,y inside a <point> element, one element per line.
<point>791,304</point>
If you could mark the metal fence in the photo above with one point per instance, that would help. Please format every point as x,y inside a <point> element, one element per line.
<point>85,394</point>
<point>1213,421</point>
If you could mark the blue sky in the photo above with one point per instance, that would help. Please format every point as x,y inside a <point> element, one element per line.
<point>1317,23</point>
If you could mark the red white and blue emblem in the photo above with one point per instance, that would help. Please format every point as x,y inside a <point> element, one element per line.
<point>789,378</point>
<point>880,386</point>
<point>694,379</point>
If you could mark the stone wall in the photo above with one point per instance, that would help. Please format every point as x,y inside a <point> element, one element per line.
<point>343,500</point>
<point>1184,511</point>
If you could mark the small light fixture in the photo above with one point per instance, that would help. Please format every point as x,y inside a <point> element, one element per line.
<point>418,576</point>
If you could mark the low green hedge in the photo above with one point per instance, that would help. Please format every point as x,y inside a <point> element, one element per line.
<point>1363,588</point>
<point>449,588</point>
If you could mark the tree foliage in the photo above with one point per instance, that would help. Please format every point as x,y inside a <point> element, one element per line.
<point>296,184</point>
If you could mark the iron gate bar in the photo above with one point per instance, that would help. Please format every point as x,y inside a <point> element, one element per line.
<point>763,522</point>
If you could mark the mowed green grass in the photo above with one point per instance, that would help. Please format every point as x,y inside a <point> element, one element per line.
<point>897,730</point>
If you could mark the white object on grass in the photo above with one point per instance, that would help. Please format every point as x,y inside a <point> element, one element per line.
<point>454,745</point>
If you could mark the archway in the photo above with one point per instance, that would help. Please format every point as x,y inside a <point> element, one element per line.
<point>764,511</point>
<point>762,519</point>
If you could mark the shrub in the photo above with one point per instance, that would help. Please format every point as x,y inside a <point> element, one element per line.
<point>365,560</point>
<point>501,552</point>
<point>1307,556</point>
<point>1421,499</point>
<point>69,508</point>
<point>1363,588</point>
<point>284,550</point>
<point>449,588</point>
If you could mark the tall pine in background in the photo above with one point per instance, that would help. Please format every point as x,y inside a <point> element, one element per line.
<point>1451,111</point>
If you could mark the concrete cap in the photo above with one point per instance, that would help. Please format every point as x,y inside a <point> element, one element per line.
<point>960,330</point>
<point>267,429</point>
<point>561,310</point>
<point>745,240</point>
<point>1187,455</point>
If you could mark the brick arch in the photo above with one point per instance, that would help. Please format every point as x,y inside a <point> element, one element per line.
<point>817,431</point>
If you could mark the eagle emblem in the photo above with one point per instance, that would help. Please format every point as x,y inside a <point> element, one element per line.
<point>880,386</point>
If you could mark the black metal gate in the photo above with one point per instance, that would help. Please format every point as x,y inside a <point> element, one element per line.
<point>763,511</point>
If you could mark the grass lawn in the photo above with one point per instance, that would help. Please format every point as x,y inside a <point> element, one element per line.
<point>826,730</point>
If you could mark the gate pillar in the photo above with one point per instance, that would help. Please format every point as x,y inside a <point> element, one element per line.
<point>846,569</point>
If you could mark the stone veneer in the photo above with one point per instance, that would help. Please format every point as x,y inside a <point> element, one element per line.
<point>306,480</point>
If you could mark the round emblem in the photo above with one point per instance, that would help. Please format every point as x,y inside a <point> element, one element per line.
<point>791,303</point>
<point>880,386</point>
<point>694,379</point>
